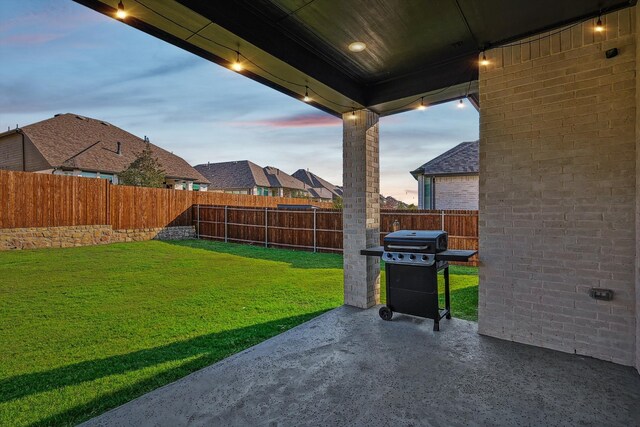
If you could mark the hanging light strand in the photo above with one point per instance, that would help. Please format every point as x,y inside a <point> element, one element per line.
<point>555,33</point>
<point>240,58</point>
<point>460,80</point>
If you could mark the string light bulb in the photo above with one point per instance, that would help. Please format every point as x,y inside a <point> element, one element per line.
<point>484,61</point>
<point>422,107</point>
<point>306,94</point>
<point>599,27</point>
<point>353,114</point>
<point>461,104</point>
<point>237,66</point>
<point>121,13</point>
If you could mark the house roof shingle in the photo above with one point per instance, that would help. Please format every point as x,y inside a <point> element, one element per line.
<point>246,174</point>
<point>461,159</point>
<point>320,185</point>
<point>320,193</point>
<point>73,141</point>
<point>277,178</point>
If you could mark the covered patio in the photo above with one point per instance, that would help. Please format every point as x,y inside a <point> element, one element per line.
<point>346,367</point>
<point>555,83</point>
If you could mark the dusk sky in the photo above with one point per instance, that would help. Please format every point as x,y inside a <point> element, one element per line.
<point>59,56</point>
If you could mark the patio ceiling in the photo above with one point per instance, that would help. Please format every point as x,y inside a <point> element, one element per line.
<point>414,47</point>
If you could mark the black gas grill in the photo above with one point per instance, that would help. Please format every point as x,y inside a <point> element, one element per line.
<point>413,259</point>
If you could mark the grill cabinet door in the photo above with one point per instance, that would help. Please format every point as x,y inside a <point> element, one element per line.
<point>412,289</point>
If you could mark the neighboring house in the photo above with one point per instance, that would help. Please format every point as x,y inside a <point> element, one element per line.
<point>324,190</point>
<point>69,144</point>
<point>245,177</point>
<point>450,181</point>
<point>318,187</point>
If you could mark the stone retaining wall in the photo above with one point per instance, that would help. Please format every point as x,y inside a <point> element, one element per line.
<point>85,235</point>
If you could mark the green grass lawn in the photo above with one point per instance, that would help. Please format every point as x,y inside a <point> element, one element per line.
<point>83,330</point>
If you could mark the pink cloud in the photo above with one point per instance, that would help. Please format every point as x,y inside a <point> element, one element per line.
<point>297,121</point>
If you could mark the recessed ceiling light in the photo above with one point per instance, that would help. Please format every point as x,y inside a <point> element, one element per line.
<point>357,47</point>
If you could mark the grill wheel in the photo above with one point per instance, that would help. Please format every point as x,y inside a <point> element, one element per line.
<point>385,313</point>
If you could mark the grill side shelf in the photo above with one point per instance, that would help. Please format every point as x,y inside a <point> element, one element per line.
<point>372,251</point>
<point>455,255</point>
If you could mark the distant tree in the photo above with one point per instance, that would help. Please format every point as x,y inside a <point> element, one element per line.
<point>144,171</point>
<point>337,202</point>
<point>403,205</point>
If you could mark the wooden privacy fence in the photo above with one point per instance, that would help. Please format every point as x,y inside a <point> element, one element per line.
<point>29,200</point>
<point>321,229</point>
<point>44,200</point>
<point>316,230</point>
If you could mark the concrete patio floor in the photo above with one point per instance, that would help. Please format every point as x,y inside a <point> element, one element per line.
<point>348,367</point>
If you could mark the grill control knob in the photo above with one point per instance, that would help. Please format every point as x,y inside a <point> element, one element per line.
<point>389,255</point>
<point>412,256</point>
<point>400,256</point>
<point>424,257</point>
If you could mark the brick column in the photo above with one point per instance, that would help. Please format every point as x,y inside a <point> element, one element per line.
<point>637,266</point>
<point>361,200</point>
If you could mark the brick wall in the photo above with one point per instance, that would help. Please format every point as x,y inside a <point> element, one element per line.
<point>558,191</point>
<point>84,235</point>
<point>456,192</point>
<point>637,15</point>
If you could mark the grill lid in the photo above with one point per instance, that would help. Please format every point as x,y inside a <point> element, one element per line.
<point>418,241</point>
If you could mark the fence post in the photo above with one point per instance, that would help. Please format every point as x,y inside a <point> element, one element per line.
<point>107,193</point>
<point>225,223</point>
<point>266,227</point>
<point>314,230</point>
<point>198,222</point>
<point>442,219</point>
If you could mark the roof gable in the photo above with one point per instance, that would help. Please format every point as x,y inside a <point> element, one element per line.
<point>314,181</point>
<point>320,193</point>
<point>461,159</point>
<point>278,178</point>
<point>73,141</point>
